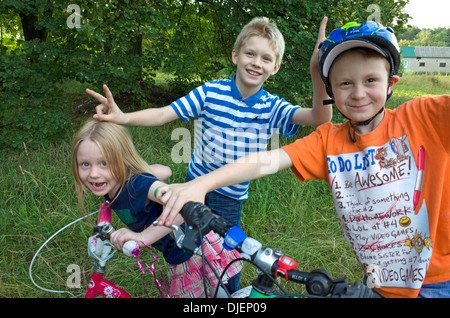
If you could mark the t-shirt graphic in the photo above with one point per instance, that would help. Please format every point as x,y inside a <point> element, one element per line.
<point>373,191</point>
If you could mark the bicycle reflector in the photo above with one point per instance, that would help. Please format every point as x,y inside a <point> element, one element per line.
<point>234,237</point>
<point>285,264</point>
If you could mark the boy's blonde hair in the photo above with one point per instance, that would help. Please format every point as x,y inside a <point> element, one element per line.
<point>117,147</point>
<point>263,27</point>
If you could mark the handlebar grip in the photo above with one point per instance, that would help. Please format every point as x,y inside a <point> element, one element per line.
<point>362,291</point>
<point>193,211</point>
<point>104,215</point>
<point>200,216</point>
<point>130,248</point>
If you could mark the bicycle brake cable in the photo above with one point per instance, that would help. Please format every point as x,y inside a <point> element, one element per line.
<point>260,268</point>
<point>219,279</point>
<point>45,243</point>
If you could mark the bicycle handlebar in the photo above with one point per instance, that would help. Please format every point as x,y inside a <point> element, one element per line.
<point>104,229</point>
<point>270,260</point>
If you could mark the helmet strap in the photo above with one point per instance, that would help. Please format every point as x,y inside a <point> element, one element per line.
<point>352,136</point>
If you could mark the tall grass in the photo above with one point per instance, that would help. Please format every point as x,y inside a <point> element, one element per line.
<point>37,199</point>
<point>413,86</point>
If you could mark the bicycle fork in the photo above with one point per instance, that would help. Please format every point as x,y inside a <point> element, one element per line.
<point>100,250</point>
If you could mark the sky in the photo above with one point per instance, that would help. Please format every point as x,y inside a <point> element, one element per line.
<point>428,13</point>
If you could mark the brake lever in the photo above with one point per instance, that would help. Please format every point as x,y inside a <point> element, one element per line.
<point>177,233</point>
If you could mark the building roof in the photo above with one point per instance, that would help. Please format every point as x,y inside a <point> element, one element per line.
<point>425,51</point>
<point>407,51</point>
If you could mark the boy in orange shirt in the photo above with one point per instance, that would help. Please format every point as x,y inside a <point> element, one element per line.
<point>388,170</point>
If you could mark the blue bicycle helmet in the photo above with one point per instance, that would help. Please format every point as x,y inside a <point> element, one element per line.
<point>370,35</point>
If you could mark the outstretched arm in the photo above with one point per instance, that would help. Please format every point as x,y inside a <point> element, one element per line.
<point>253,166</point>
<point>152,233</point>
<point>109,111</point>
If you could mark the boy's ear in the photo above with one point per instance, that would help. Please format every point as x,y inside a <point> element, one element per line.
<point>394,80</point>
<point>276,69</point>
<point>234,55</point>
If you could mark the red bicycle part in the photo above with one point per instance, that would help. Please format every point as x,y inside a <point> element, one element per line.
<point>98,286</point>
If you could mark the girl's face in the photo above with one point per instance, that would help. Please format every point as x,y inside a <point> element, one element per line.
<point>93,170</point>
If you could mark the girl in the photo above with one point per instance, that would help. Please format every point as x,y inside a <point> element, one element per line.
<point>105,161</point>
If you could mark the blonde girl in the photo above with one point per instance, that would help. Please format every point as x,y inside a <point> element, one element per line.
<point>106,163</point>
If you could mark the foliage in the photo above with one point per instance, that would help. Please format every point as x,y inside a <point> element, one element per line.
<point>212,28</point>
<point>425,37</point>
<point>32,110</point>
<point>124,42</point>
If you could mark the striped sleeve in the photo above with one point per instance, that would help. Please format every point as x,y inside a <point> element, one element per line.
<point>190,106</point>
<point>282,117</point>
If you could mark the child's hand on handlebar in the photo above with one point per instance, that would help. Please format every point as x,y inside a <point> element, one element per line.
<point>175,196</point>
<point>119,237</point>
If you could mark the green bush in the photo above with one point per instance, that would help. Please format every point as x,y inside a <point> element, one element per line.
<point>32,110</point>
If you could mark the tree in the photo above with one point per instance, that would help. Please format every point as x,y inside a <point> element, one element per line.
<point>440,37</point>
<point>123,42</point>
<point>298,20</point>
<point>425,37</point>
<point>409,34</point>
<point>106,48</point>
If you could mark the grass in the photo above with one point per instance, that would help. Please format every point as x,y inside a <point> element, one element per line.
<point>38,199</point>
<point>413,86</point>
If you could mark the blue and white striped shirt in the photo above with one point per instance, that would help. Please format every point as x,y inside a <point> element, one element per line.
<point>229,127</point>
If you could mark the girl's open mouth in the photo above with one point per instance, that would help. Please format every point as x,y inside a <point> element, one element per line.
<point>98,185</point>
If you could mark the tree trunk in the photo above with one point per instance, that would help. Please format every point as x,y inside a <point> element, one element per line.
<point>30,31</point>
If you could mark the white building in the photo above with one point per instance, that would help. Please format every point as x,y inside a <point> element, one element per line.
<point>426,59</point>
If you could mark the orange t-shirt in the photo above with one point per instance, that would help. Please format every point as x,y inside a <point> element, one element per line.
<point>391,190</point>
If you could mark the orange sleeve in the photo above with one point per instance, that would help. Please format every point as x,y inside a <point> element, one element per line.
<point>308,155</point>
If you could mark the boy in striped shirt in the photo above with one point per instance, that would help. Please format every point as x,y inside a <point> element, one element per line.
<point>234,116</point>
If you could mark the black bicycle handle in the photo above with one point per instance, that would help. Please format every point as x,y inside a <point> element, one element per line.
<point>200,216</point>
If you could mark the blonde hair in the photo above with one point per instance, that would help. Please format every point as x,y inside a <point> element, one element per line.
<point>263,27</point>
<point>117,147</point>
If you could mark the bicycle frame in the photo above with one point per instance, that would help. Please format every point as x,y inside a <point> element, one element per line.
<point>101,250</point>
<point>98,286</point>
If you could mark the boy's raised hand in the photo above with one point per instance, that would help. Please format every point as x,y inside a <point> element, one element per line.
<point>321,36</point>
<point>108,109</point>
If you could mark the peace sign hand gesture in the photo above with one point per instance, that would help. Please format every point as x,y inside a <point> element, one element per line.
<point>108,109</point>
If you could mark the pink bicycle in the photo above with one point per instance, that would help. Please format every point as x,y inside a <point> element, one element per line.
<point>270,262</point>
<point>101,250</point>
